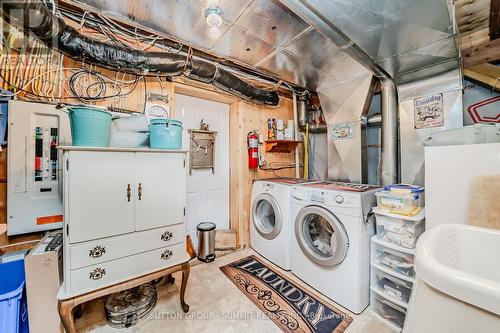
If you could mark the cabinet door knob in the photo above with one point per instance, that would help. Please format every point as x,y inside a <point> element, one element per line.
<point>129,192</point>
<point>97,273</point>
<point>97,251</point>
<point>139,191</point>
<point>166,236</point>
<point>166,254</point>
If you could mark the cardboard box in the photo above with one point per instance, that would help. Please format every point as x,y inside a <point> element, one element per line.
<point>43,269</point>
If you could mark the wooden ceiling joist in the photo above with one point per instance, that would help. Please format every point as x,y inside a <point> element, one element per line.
<point>486,75</point>
<point>483,53</point>
<point>495,19</point>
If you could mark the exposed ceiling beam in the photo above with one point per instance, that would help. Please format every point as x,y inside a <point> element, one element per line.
<point>483,53</point>
<point>486,75</point>
<point>495,19</point>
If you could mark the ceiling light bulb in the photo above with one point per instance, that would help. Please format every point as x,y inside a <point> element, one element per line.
<point>214,18</point>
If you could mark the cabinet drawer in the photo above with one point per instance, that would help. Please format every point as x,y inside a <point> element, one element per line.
<point>107,273</point>
<point>105,249</point>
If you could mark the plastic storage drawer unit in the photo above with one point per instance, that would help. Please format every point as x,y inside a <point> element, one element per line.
<point>388,310</point>
<point>403,203</point>
<point>398,229</point>
<point>395,288</point>
<point>392,259</point>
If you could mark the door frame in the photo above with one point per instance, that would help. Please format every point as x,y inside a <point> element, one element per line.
<point>210,93</point>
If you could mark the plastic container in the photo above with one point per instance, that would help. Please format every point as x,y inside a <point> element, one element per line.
<point>13,307</point>
<point>166,134</point>
<point>89,126</point>
<point>393,260</point>
<point>399,202</point>
<point>137,123</point>
<point>128,139</point>
<point>396,289</point>
<point>388,310</point>
<point>400,230</point>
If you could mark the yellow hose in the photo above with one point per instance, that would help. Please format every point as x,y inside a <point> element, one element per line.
<point>306,152</point>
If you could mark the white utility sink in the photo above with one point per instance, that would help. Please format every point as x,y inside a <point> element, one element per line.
<point>457,288</point>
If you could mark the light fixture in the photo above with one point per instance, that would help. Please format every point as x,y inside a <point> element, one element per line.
<point>214,17</point>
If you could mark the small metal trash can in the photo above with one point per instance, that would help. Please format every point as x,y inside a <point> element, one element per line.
<point>206,241</point>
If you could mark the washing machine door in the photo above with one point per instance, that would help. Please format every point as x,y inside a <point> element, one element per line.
<point>266,216</point>
<point>321,236</point>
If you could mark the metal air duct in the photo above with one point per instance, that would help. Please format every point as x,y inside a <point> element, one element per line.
<point>345,107</point>
<point>389,157</point>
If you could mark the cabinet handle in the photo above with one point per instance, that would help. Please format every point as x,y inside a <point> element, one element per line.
<point>140,191</point>
<point>129,192</point>
<point>166,236</point>
<point>166,254</point>
<point>97,273</point>
<point>97,251</point>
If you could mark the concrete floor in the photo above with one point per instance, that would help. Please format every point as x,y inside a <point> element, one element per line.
<point>216,305</point>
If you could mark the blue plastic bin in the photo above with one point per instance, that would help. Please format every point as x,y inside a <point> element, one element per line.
<point>89,126</point>
<point>13,307</point>
<point>165,134</point>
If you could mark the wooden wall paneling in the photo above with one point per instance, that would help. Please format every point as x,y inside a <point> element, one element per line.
<point>495,19</point>
<point>254,117</point>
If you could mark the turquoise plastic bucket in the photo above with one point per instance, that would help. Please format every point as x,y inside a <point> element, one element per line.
<point>165,134</point>
<point>89,126</point>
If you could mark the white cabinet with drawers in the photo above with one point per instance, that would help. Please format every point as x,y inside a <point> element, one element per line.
<point>124,215</point>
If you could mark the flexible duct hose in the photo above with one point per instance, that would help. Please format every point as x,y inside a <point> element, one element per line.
<point>35,18</point>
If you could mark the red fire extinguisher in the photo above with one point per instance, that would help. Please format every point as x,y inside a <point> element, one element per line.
<point>253,150</point>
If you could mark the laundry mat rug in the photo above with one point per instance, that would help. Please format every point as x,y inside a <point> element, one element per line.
<point>287,304</point>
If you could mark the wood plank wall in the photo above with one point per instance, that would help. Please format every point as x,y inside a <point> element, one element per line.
<point>249,117</point>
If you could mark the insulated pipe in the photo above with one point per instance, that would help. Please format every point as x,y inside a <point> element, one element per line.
<point>34,17</point>
<point>302,111</point>
<point>389,157</point>
<point>296,135</point>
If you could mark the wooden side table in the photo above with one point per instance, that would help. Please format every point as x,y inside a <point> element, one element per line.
<point>66,306</point>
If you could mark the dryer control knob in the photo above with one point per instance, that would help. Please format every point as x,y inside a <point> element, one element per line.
<point>339,199</point>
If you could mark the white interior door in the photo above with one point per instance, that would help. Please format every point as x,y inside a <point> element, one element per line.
<point>159,180</point>
<point>207,193</point>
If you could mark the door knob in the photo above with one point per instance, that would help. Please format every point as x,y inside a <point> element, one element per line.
<point>139,191</point>
<point>129,192</point>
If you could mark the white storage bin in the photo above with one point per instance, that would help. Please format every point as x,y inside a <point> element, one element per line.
<point>399,202</point>
<point>133,123</point>
<point>128,139</point>
<point>396,261</point>
<point>399,229</point>
<point>396,289</point>
<point>388,310</point>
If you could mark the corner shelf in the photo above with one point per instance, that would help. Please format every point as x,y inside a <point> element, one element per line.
<point>280,146</point>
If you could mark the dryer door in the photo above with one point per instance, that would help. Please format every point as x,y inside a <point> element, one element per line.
<point>266,216</point>
<point>321,236</point>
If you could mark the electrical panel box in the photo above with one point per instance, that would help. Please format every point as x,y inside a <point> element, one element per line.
<point>34,170</point>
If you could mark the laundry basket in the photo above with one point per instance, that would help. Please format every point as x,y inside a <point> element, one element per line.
<point>89,126</point>
<point>13,307</point>
<point>458,281</point>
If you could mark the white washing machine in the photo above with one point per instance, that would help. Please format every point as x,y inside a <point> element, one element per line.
<point>271,227</point>
<point>331,243</point>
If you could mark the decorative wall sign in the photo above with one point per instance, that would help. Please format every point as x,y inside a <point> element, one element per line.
<point>343,131</point>
<point>429,111</point>
<point>202,150</point>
